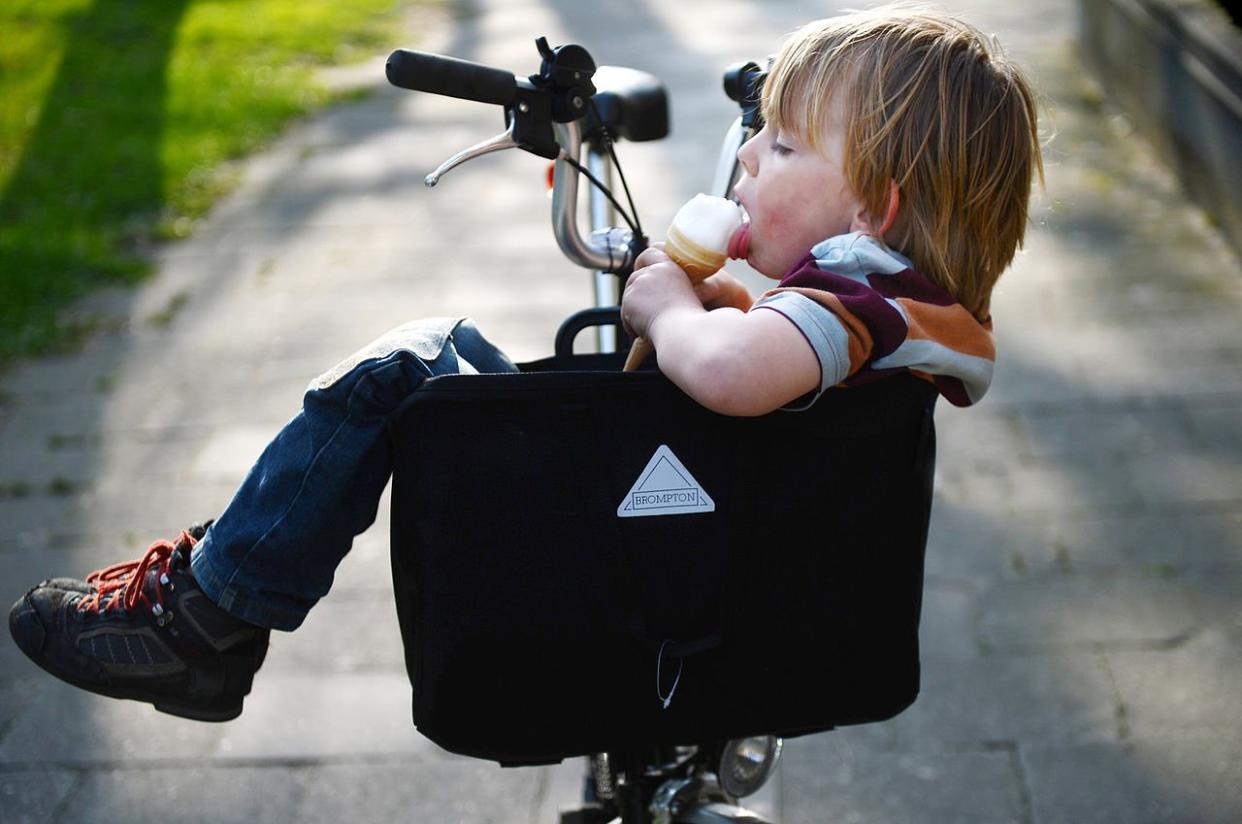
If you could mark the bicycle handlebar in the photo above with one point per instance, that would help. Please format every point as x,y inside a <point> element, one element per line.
<point>450,76</point>
<point>544,115</point>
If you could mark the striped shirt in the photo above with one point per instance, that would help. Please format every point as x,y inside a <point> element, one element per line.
<point>867,313</point>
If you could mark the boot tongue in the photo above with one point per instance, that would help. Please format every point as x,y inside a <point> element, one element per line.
<point>178,559</point>
<point>151,584</point>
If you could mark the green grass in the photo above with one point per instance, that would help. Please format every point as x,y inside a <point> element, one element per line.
<point>117,118</point>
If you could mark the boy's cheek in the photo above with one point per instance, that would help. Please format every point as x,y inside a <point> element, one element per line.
<point>772,243</point>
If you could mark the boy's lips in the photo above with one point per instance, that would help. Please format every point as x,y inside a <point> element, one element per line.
<point>739,242</point>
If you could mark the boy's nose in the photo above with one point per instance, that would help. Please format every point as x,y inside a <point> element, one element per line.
<point>746,157</point>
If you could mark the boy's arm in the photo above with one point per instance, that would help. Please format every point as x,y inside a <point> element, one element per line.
<point>732,362</point>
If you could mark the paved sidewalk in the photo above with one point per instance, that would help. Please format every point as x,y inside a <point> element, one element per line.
<point>1082,627</point>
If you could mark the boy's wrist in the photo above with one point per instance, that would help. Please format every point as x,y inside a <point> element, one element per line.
<point>662,326</point>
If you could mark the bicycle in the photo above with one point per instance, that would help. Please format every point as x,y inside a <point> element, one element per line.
<point>640,766</point>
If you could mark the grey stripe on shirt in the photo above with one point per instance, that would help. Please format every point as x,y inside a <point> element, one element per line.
<point>822,330</point>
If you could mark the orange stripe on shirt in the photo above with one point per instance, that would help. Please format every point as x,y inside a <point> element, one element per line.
<point>946,325</point>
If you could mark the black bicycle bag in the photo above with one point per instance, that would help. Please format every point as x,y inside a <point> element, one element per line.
<point>587,560</point>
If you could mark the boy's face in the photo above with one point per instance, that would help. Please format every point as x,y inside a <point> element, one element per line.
<point>795,197</point>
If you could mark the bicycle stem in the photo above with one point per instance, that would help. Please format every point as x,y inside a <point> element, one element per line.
<point>607,249</point>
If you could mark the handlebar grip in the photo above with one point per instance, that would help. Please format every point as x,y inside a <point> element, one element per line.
<point>451,76</point>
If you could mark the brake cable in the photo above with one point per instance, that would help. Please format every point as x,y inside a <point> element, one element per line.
<point>633,222</point>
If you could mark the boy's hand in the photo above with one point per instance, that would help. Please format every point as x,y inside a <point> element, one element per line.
<point>656,286</point>
<point>723,291</point>
<point>647,287</point>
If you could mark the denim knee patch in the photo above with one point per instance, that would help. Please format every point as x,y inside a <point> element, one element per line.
<point>425,338</point>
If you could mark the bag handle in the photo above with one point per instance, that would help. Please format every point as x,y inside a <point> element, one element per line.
<point>586,319</point>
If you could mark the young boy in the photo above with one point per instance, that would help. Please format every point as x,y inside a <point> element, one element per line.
<point>886,130</point>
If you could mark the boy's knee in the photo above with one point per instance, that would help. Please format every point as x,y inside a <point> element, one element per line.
<point>425,339</point>
<point>481,354</point>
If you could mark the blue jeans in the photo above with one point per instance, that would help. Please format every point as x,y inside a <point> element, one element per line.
<point>272,554</point>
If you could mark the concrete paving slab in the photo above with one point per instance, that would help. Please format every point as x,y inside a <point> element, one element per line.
<point>1214,424</point>
<point>455,791</point>
<point>35,796</point>
<point>96,732</point>
<point>16,695</point>
<point>1145,780</point>
<point>356,633</point>
<point>1105,431</point>
<point>1176,477</point>
<point>1153,540</point>
<point>823,782</point>
<point>1025,490</point>
<point>1029,701</point>
<point>561,789</point>
<point>325,716</point>
<point>39,521</point>
<point>1087,611</point>
<point>1185,693</point>
<point>189,794</point>
<point>947,629</point>
<point>967,542</point>
<point>366,570</point>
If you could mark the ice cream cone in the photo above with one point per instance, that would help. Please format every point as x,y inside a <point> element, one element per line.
<point>697,261</point>
<point>714,221</point>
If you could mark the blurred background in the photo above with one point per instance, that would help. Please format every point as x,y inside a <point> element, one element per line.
<point>203,205</point>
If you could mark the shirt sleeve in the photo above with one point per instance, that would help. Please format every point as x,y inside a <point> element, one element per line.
<point>822,330</point>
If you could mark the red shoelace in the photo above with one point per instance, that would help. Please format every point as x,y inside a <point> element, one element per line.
<point>124,582</point>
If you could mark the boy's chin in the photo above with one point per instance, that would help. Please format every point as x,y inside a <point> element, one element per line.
<point>767,268</point>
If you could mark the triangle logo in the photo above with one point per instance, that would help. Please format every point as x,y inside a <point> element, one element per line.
<point>665,487</point>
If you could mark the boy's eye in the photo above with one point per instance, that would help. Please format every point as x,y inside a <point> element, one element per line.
<point>780,148</point>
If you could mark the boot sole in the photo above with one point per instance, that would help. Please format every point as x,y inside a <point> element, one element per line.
<point>162,703</point>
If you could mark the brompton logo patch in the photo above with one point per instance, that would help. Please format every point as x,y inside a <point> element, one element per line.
<point>665,487</point>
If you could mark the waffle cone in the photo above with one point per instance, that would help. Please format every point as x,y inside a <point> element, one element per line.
<point>697,261</point>
<point>639,350</point>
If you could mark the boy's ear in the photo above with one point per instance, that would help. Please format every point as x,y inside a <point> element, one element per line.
<point>864,221</point>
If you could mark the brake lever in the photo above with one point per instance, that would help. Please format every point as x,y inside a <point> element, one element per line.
<point>504,140</point>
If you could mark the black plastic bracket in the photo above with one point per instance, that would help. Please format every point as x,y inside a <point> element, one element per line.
<point>586,319</point>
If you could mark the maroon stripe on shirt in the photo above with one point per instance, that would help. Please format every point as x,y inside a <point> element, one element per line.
<point>954,390</point>
<point>887,326</point>
<point>910,284</point>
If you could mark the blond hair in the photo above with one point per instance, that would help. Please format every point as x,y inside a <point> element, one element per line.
<point>930,103</point>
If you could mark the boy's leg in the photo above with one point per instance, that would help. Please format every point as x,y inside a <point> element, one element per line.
<point>273,552</point>
<point>154,630</point>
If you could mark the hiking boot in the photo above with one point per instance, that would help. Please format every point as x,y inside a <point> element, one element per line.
<point>117,571</point>
<point>143,630</point>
